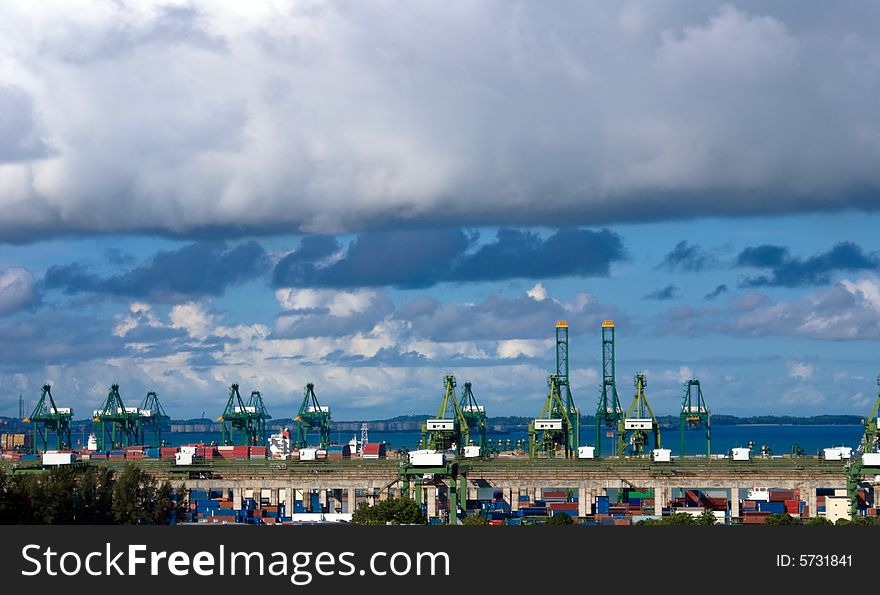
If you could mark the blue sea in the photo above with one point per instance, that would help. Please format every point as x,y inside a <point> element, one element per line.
<point>779,439</point>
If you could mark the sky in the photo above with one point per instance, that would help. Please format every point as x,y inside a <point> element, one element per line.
<point>372,195</point>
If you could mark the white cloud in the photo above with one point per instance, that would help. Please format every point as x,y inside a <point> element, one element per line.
<point>139,314</point>
<point>193,318</point>
<point>336,116</point>
<point>339,303</point>
<point>538,292</point>
<point>801,370</point>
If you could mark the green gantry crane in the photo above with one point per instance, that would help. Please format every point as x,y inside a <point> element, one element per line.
<point>609,413</point>
<point>871,439</point>
<point>118,425</point>
<point>475,416</point>
<point>694,414</point>
<point>257,410</point>
<point>312,416</point>
<point>553,429</point>
<point>449,429</point>
<point>49,419</point>
<point>243,424</point>
<point>558,425</point>
<point>152,418</point>
<point>639,421</point>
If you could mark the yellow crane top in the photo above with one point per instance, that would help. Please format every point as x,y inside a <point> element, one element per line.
<point>561,324</point>
<point>608,323</point>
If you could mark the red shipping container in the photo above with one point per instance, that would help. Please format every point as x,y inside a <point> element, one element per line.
<point>783,495</point>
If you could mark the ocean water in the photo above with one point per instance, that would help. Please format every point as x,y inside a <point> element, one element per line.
<point>779,439</point>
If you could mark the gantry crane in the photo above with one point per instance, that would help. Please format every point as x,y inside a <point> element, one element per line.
<point>553,429</point>
<point>50,419</point>
<point>694,414</point>
<point>475,416</point>
<point>558,425</point>
<point>241,422</point>
<point>871,439</point>
<point>117,424</point>
<point>609,413</point>
<point>639,421</point>
<point>257,410</point>
<point>449,429</point>
<point>152,418</point>
<point>312,416</point>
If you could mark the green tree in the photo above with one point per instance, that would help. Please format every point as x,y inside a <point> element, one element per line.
<point>560,518</point>
<point>818,520</point>
<point>679,518</point>
<point>475,519</point>
<point>782,519</point>
<point>396,511</point>
<point>134,497</point>
<point>59,494</point>
<point>164,504</point>
<point>707,518</point>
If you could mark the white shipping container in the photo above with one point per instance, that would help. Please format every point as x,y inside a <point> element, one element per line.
<point>662,455</point>
<point>183,458</point>
<point>871,459</point>
<point>471,451</point>
<point>638,423</point>
<point>426,458</point>
<point>58,458</point>
<point>586,452</point>
<point>832,454</point>
<point>440,424</point>
<point>741,454</point>
<point>548,424</point>
<point>308,454</point>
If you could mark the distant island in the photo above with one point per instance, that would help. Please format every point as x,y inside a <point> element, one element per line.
<point>409,423</point>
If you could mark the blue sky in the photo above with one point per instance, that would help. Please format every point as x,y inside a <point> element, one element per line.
<point>196,195</point>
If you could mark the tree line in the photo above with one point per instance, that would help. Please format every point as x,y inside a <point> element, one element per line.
<point>88,496</point>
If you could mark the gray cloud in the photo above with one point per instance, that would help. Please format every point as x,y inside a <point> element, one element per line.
<point>194,270</point>
<point>716,292</point>
<point>670,292</point>
<point>789,271</point>
<point>20,132</point>
<point>409,258</point>
<point>18,290</point>
<point>343,118</point>
<point>688,257</point>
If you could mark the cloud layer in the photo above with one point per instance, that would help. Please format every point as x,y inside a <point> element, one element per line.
<point>338,117</point>
<point>195,270</point>
<point>409,259</point>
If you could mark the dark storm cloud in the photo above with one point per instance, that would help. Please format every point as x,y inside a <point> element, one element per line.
<point>788,271</point>
<point>402,258</point>
<point>207,116</point>
<point>670,292</point>
<point>716,292</point>
<point>524,254</point>
<point>411,259</point>
<point>688,257</point>
<point>201,269</point>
